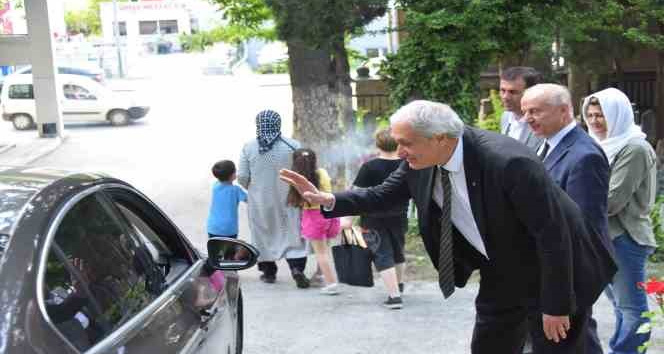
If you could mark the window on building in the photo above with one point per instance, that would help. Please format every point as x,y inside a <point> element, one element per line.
<point>122,28</point>
<point>21,92</point>
<point>168,26</point>
<point>147,27</point>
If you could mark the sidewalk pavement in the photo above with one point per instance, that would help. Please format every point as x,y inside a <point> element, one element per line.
<point>26,151</point>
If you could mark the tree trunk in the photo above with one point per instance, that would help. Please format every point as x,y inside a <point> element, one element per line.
<point>322,104</point>
<point>578,82</point>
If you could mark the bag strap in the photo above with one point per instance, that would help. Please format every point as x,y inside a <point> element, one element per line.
<point>287,143</point>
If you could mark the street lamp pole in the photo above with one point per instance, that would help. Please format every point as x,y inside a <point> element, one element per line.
<point>116,36</point>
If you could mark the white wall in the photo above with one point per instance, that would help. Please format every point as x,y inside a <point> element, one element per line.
<point>133,12</point>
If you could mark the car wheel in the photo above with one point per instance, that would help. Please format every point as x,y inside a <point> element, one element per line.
<point>118,117</point>
<point>22,121</point>
<point>239,332</point>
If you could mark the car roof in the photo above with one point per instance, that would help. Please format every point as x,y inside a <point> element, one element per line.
<point>87,69</point>
<point>14,79</point>
<point>19,185</point>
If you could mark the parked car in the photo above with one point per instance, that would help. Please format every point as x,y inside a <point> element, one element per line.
<point>81,99</point>
<point>88,264</point>
<point>94,73</point>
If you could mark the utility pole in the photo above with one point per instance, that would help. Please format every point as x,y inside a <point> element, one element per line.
<point>116,35</point>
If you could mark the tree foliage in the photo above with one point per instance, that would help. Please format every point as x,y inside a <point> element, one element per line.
<point>449,42</point>
<point>87,21</point>
<point>231,33</point>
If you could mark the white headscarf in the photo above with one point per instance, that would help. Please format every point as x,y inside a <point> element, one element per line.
<point>619,118</point>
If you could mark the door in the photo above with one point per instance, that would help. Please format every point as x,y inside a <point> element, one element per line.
<point>98,280</point>
<point>203,303</point>
<point>81,104</point>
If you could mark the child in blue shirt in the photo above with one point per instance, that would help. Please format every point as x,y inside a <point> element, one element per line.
<point>223,219</point>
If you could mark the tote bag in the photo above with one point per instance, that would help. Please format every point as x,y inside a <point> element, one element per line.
<point>352,259</point>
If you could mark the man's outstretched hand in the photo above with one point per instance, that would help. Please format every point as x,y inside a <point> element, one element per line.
<point>306,189</point>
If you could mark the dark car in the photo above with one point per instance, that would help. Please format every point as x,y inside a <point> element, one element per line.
<point>89,265</point>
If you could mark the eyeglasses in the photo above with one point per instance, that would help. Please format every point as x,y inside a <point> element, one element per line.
<point>595,116</point>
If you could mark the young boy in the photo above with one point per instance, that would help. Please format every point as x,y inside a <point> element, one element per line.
<point>222,220</point>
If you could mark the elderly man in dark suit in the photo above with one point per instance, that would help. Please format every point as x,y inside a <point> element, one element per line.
<point>574,161</point>
<point>486,202</point>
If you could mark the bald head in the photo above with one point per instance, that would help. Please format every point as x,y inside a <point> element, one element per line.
<point>547,109</point>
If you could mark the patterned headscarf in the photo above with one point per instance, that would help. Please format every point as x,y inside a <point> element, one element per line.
<point>268,129</point>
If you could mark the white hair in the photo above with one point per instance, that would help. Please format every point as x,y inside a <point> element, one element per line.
<point>553,94</point>
<point>429,118</point>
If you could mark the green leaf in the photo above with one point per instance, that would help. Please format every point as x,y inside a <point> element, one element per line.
<point>644,328</point>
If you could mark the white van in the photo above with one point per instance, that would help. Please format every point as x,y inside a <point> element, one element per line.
<point>81,100</point>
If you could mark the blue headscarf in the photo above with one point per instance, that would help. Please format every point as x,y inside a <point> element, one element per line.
<point>268,130</point>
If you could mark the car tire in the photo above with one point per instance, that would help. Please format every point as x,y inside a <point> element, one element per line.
<point>118,117</point>
<point>239,333</point>
<point>22,121</point>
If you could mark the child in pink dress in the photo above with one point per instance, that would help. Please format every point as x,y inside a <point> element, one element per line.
<point>314,227</point>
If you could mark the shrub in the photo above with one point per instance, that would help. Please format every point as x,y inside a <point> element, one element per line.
<point>492,121</point>
<point>658,230</point>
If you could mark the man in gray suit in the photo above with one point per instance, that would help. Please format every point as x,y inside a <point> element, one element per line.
<point>513,83</point>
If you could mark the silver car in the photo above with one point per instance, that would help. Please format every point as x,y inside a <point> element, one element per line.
<point>89,265</point>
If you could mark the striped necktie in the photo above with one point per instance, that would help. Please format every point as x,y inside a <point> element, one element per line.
<point>445,257</point>
<point>545,151</point>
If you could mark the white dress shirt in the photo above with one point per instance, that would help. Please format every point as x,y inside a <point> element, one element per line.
<point>556,138</point>
<point>462,214</point>
<point>518,127</point>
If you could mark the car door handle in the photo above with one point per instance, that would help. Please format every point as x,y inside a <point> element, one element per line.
<point>206,317</point>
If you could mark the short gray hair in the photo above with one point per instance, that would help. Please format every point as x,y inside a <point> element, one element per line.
<point>429,118</point>
<point>554,94</point>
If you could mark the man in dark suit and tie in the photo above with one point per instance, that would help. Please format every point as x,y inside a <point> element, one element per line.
<point>486,202</point>
<point>574,161</point>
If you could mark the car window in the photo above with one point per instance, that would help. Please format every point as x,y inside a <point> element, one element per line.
<point>161,239</point>
<point>21,92</point>
<point>98,276</point>
<point>76,92</point>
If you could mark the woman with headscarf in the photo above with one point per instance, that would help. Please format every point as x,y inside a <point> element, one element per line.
<point>275,226</point>
<point>610,119</point>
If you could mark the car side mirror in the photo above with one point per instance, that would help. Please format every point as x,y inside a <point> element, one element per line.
<point>230,254</point>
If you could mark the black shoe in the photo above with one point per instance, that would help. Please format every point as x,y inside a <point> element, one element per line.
<point>300,280</point>
<point>401,288</point>
<point>393,303</point>
<point>269,279</point>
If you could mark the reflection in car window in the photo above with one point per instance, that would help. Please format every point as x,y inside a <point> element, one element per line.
<point>97,275</point>
<point>4,240</point>
<point>171,264</point>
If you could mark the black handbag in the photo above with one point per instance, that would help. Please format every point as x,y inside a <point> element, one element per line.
<point>352,259</point>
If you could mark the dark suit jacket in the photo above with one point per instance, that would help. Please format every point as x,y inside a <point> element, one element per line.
<point>578,165</point>
<point>539,248</point>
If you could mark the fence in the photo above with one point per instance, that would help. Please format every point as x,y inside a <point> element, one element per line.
<point>375,104</point>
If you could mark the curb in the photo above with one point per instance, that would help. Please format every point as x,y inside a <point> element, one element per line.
<point>17,154</point>
<point>5,148</point>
